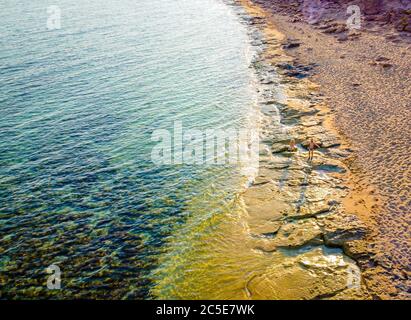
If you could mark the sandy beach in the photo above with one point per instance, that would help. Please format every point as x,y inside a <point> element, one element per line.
<point>358,82</point>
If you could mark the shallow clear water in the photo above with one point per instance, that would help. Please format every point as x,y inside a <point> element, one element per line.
<point>78,107</point>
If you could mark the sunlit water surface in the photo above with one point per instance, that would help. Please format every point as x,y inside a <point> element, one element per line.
<point>78,107</point>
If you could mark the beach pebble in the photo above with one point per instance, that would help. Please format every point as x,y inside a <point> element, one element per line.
<point>342,37</point>
<point>291,45</point>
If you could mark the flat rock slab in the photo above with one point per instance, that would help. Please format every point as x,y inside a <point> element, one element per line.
<point>294,235</point>
<point>317,274</point>
<point>339,229</point>
<point>279,147</point>
<point>309,210</point>
<point>357,249</point>
<point>297,108</point>
<point>267,228</point>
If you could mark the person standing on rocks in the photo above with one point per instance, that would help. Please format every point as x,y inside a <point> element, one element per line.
<point>311,147</point>
<point>292,146</point>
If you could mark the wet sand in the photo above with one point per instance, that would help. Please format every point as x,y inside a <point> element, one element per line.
<point>360,91</point>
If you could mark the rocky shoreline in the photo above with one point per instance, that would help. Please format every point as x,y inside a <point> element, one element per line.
<point>364,78</point>
<point>294,207</point>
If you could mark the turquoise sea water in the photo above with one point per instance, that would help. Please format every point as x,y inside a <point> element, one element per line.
<point>78,106</point>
